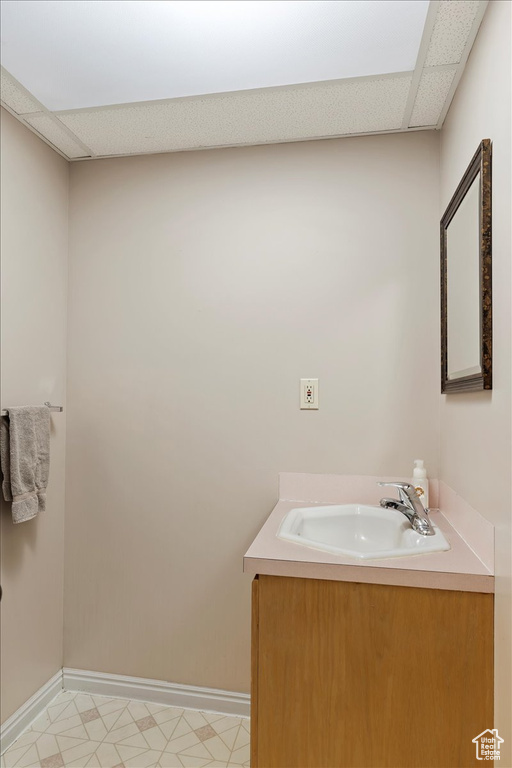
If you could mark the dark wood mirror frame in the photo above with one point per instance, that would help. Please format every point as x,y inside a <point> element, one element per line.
<point>480,164</point>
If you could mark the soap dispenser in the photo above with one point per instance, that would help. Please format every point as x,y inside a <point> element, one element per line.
<point>420,481</point>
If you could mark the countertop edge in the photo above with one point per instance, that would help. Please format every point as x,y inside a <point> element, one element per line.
<point>456,582</point>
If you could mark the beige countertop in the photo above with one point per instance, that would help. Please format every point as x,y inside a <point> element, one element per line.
<point>459,568</point>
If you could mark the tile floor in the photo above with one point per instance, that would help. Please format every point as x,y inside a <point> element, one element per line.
<point>81,731</point>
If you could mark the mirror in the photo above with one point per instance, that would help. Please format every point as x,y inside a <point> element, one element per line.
<point>466,290</point>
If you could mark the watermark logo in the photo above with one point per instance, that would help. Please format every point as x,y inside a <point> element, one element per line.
<point>488,745</point>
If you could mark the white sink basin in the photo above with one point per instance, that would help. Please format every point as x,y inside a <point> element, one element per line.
<point>359,531</point>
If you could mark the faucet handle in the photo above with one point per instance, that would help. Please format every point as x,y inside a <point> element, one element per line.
<point>402,486</point>
<point>406,491</point>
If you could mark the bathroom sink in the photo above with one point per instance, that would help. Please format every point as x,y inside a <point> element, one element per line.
<point>359,531</point>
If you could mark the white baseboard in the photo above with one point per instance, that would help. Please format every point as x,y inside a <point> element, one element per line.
<point>157,692</point>
<point>120,686</point>
<point>29,711</point>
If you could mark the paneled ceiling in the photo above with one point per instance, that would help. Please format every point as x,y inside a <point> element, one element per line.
<point>122,77</point>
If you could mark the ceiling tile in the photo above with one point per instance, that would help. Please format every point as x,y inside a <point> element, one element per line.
<point>15,97</point>
<point>56,135</point>
<point>431,96</point>
<point>247,117</point>
<point>451,31</point>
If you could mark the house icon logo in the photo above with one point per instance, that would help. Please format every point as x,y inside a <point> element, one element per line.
<point>488,745</point>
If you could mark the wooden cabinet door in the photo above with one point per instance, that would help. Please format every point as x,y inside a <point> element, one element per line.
<point>350,675</point>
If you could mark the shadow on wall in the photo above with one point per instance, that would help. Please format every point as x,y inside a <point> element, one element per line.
<point>16,539</point>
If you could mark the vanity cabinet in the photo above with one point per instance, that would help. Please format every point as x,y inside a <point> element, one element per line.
<point>352,675</point>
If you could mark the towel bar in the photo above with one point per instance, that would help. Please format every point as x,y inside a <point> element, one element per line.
<point>53,408</point>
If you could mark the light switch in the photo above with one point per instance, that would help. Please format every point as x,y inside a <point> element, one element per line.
<point>309,394</point>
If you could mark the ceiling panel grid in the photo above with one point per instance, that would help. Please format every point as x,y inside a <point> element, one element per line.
<point>430,41</point>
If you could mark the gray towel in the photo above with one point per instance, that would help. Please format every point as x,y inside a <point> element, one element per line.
<point>25,459</point>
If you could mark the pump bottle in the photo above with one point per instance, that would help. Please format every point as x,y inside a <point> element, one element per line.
<point>420,481</point>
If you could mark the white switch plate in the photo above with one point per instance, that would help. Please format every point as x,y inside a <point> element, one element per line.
<point>309,394</point>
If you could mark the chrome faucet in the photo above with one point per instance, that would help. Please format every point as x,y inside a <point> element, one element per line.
<point>409,505</point>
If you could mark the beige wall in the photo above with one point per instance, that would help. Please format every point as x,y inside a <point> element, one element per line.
<point>203,285</point>
<point>476,428</point>
<point>33,344</point>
